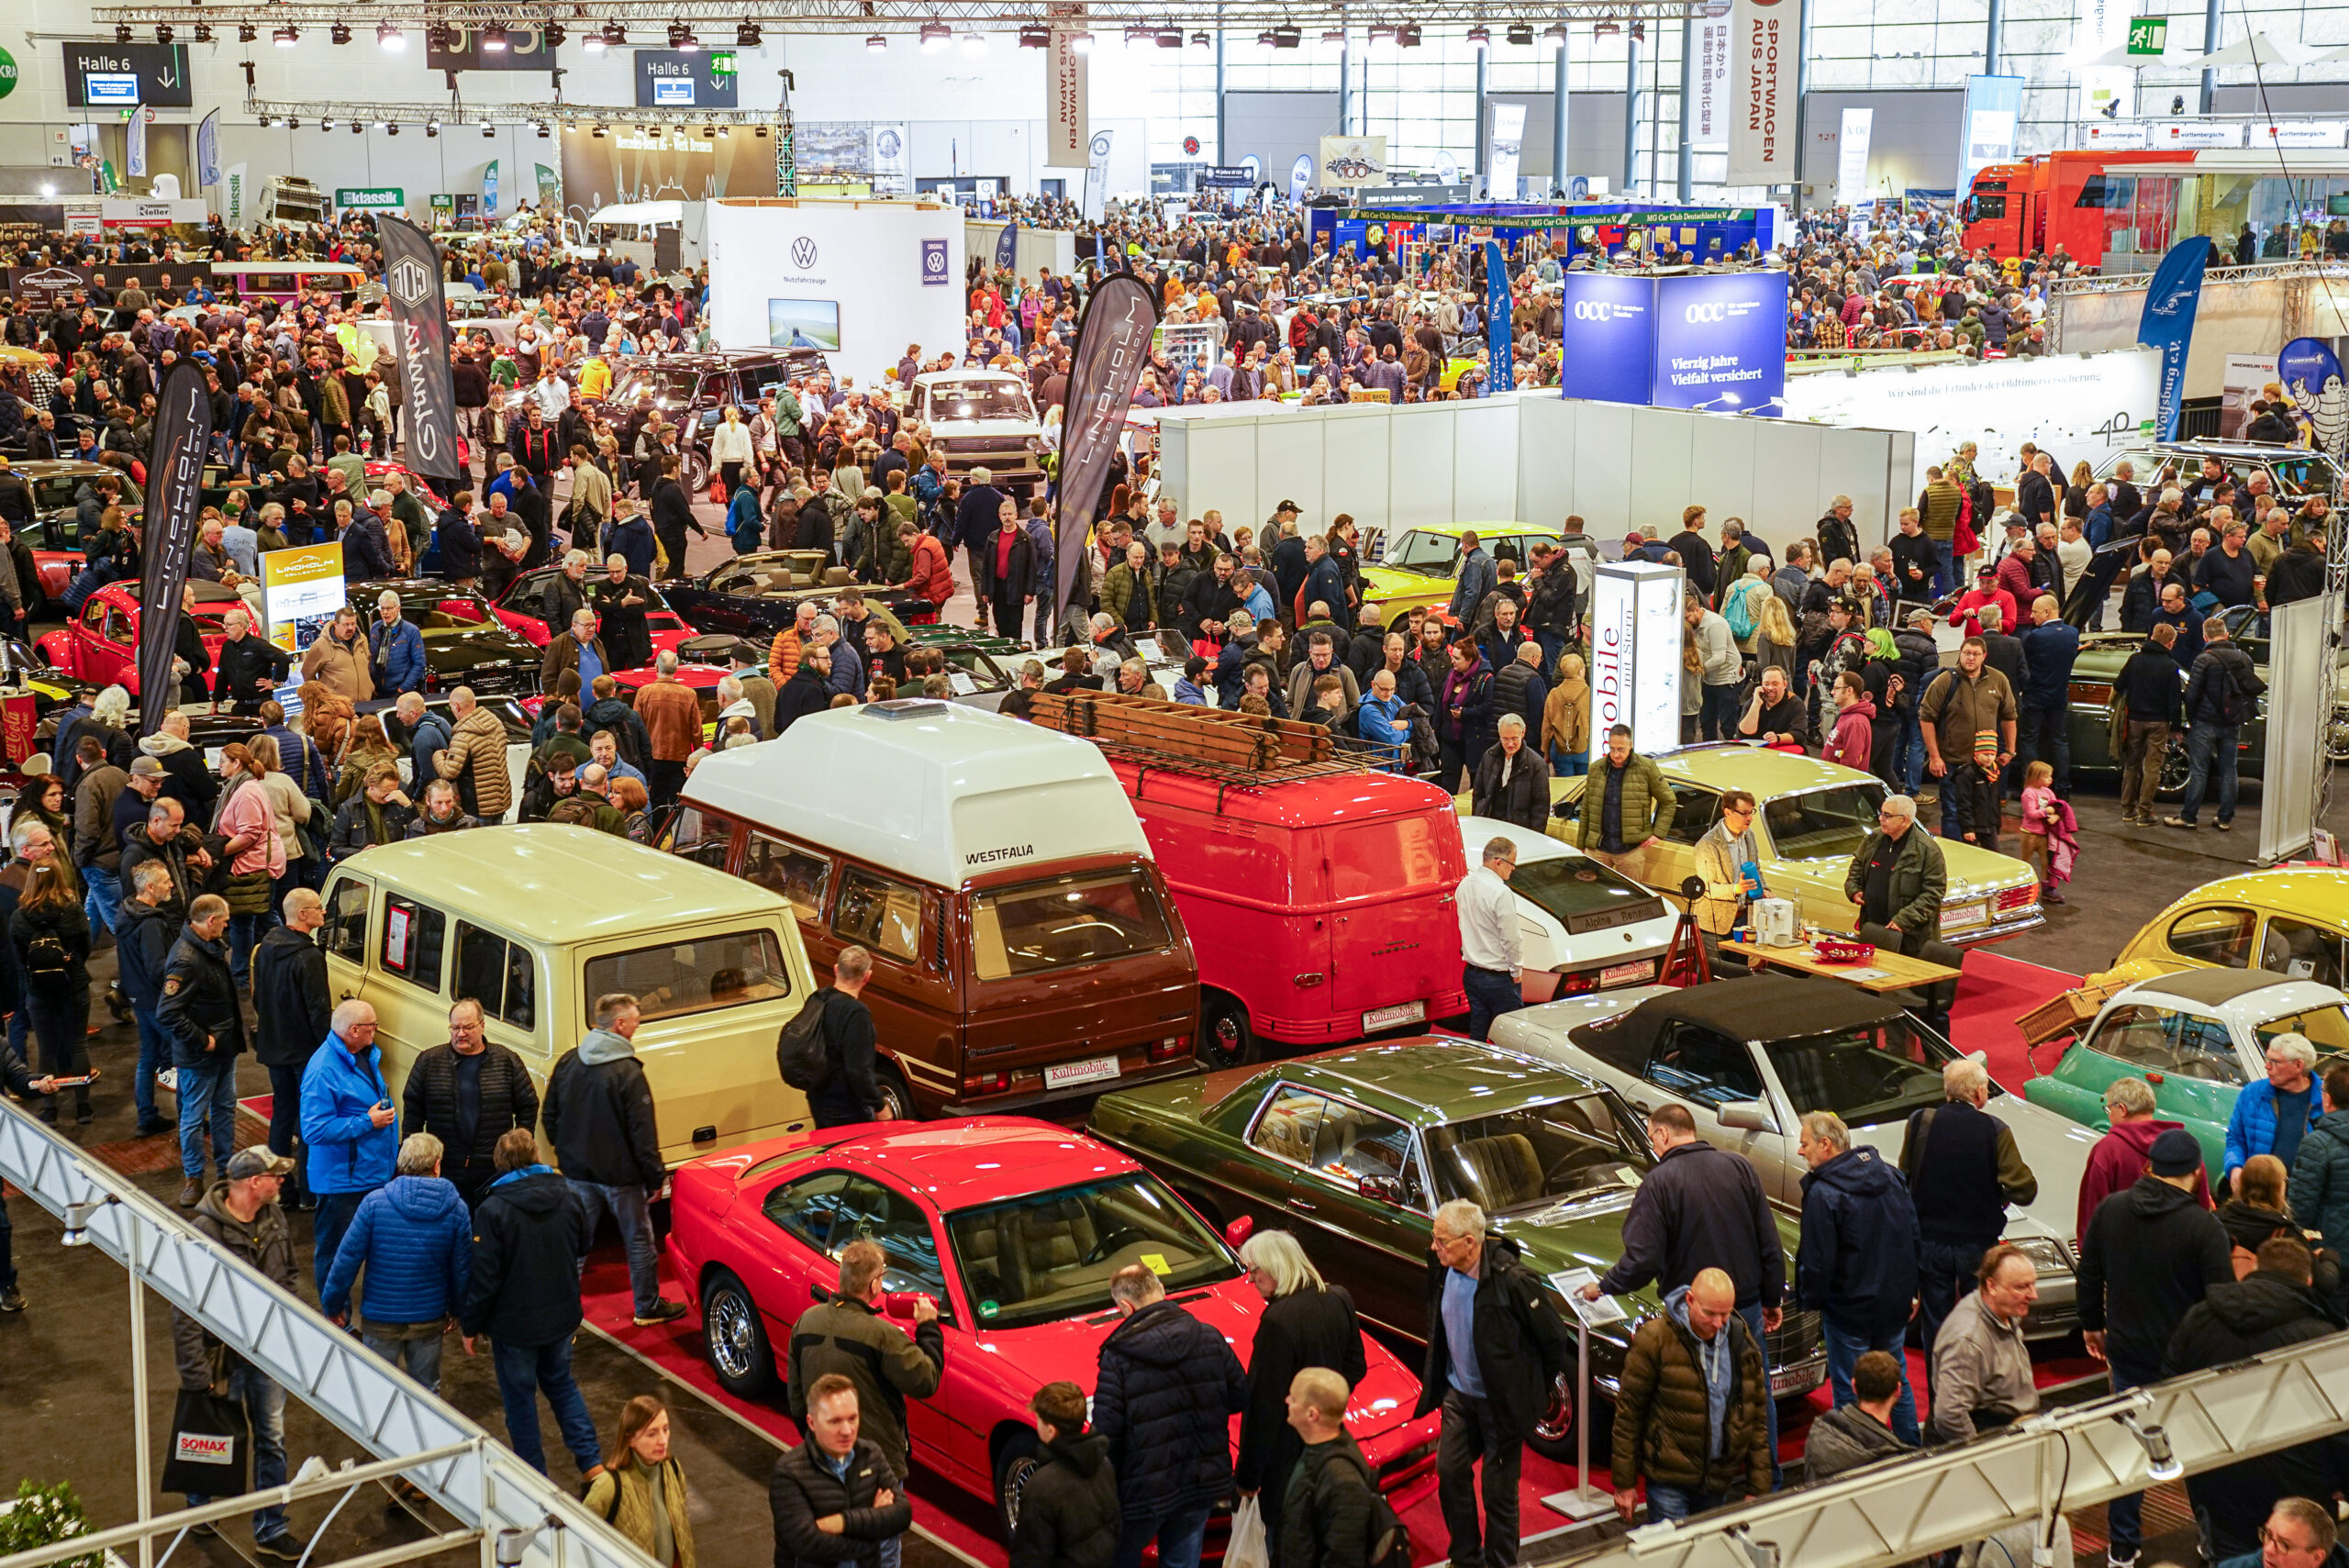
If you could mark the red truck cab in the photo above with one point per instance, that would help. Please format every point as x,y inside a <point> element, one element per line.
<point>1318,890</point>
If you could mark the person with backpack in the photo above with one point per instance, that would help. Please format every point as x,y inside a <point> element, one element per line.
<point>1331,1514</point>
<point>2221,692</point>
<point>828,1053</point>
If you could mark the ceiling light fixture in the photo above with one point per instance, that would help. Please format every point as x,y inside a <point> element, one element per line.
<point>1606,25</point>
<point>1202,38</point>
<point>1480,37</point>
<point>487,130</point>
<point>1556,31</point>
<point>493,37</point>
<point>358,130</point>
<point>1520,34</point>
<point>1288,36</point>
<point>877,44</point>
<point>1035,35</point>
<point>935,35</point>
<point>1137,35</point>
<point>393,128</point>
<point>247,32</point>
<point>292,123</point>
<point>1170,37</point>
<point>388,36</point>
<point>1080,43</point>
<point>326,124</point>
<point>264,122</point>
<point>163,32</point>
<point>1407,35</point>
<point>431,127</point>
<point>286,38</point>
<point>555,34</point>
<point>975,45</point>
<point>340,33</point>
<point>203,32</point>
<point>747,36</point>
<point>122,32</point>
<point>599,129</point>
<point>614,34</point>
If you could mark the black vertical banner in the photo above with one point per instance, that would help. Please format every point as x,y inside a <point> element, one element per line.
<point>175,500</point>
<point>413,286</point>
<point>1112,346</point>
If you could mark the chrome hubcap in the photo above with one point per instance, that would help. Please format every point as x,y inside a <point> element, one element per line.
<point>1015,1482</point>
<point>731,1334</point>
<point>1558,1420</point>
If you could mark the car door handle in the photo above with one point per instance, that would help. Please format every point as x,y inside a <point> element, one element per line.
<point>1302,1207</point>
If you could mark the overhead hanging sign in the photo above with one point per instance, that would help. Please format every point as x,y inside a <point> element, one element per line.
<point>1763,44</point>
<point>371,198</point>
<point>118,75</point>
<point>1709,108</point>
<point>1352,161</point>
<point>1066,85</point>
<point>672,79</point>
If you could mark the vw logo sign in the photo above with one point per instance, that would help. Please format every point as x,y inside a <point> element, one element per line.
<point>1700,314</point>
<point>803,252</point>
<point>934,259</point>
<point>1598,311</point>
<point>410,281</point>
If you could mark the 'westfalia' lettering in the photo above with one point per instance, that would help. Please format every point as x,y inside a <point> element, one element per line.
<point>1008,852</point>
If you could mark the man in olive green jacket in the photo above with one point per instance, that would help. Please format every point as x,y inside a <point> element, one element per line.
<point>1897,877</point>
<point>1621,831</point>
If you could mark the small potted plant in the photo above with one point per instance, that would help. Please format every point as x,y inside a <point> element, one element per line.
<point>42,1515</point>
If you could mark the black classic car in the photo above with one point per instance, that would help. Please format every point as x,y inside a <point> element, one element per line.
<point>757,595</point>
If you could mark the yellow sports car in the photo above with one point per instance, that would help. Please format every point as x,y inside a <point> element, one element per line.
<point>2294,921</point>
<point>1814,816</point>
<point>1419,564</point>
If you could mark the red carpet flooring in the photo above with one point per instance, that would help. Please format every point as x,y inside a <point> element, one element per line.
<point>1995,991</point>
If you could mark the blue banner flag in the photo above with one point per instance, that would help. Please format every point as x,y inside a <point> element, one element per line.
<point>2311,372</point>
<point>1006,246</point>
<point>2168,324</point>
<point>1498,334</point>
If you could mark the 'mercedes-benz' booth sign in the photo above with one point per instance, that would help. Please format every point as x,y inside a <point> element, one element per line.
<point>1712,340</point>
<point>1635,653</point>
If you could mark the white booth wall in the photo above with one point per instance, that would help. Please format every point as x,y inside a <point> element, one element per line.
<point>1533,456</point>
<point>866,259</point>
<point>1035,249</point>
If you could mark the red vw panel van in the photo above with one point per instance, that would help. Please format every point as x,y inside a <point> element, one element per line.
<point>1318,889</point>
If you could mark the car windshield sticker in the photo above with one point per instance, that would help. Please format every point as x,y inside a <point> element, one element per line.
<point>1155,1263</point>
<point>988,1310</point>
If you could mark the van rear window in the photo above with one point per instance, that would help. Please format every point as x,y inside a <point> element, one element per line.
<point>1389,855</point>
<point>1083,918</point>
<point>676,978</point>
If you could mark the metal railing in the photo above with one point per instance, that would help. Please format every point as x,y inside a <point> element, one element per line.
<point>519,1518</point>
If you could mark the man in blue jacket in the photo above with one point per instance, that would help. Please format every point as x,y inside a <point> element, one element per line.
<point>2271,1117</point>
<point>1476,579</point>
<point>395,648</point>
<point>1857,1265</point>
<point>349,1125</point>
<point>414,1237</point>
<point>2049,647</point>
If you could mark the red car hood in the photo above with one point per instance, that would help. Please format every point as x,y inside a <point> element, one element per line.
<point>1380,1409</point>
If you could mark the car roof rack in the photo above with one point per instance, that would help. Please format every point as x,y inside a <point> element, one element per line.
<point>1234,749</point>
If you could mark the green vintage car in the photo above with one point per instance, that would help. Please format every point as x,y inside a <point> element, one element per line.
<point>2102,653</point>
<point>2198,1036</point>
<point>1354,1149</point>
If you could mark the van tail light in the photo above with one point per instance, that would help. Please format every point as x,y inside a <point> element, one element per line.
<point>1577,984</point>
<point>2018,897</point>
<point>985,1083</point>
<point>1167,1050</point>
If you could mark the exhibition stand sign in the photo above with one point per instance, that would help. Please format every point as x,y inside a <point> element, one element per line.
<point>1710,341</point>
<point>858,280</point>
<point>1635,646</point>
<point>301,589</point>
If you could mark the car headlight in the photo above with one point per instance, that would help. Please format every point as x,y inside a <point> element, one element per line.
<point>2047,1255</point>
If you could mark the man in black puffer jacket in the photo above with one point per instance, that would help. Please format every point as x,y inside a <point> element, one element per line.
<point>143,933</point>
<point>2271,1308</point>
<point>446,1077</point>
<point>293,1011</point>
<point>837,1474</point>
<point>1168,1387</point>
<point>1068,1510</point>
<point>531,1236</point>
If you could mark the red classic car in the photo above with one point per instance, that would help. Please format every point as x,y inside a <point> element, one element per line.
<point>1014,1227</point>
<point>521,608</point>
<point>100,644</point>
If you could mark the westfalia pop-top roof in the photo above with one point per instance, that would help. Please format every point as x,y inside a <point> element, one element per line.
<point>940,791</point>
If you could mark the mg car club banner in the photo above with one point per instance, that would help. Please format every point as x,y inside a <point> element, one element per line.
<point>1112,344</point>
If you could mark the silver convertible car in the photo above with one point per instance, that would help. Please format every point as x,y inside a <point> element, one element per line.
<point>1748,1058</point>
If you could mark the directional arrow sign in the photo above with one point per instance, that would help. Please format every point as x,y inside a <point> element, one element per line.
<point>122,76</point>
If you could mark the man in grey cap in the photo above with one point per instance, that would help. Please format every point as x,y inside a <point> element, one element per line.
<point>240,1214</point>
<point>2150,1253</point>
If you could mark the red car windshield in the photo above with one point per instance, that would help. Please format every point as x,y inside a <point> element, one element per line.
<point>1052,1255</point>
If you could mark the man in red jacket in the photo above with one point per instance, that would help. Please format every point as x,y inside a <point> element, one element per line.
<point>2124,1154</point>
<point>932,575</point>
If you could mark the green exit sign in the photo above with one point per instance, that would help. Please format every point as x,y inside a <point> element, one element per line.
<point>2148,35</point>
<point>722,63</point>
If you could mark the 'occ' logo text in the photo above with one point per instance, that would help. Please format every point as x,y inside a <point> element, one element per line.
<point>1699,314</point>
<point>1599,310</point>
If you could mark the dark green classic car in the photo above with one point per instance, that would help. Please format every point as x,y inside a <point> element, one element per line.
<point>1354,1149</point>
<point>2102,653</point>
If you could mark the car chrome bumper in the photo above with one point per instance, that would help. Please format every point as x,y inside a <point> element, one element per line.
<point>1998,930</point>
<point>2057,1311</point>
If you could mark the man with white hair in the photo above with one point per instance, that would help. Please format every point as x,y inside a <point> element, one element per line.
<point>578,650</point>
<point>1898,876</point>
<point>251,667</point>
<point>414,1237</point>
<point>2272,1116</point>
<point>1496,1348</point>
<point>1488,939</point>
<point>395,648</point>
<point>566,593</point>
<point>1963,1169</point>
<point>671,715</point>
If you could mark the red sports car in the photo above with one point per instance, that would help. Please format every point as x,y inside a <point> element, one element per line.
<point>521,607</point>
<point>1015,1228</point>
<point>100,644</point>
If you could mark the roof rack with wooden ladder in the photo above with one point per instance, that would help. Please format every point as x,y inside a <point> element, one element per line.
<point>1236,750</point>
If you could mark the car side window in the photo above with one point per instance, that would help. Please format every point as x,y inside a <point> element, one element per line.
<point>895,1223</point>
<point>2304,952</point>
<point>1285,1129</point>
<point>2163,1040</point>
<point>346,920</point>
<point>1693,816</point>
<point>800,875</point>
<point>699,837</point>
<point>806,1207</point>
<point>1698,1065</point>
<point>1352,1144</point>
<point>2219,937</point>
<point>497,974</point>
<point>94,617</point>
<point>883,916</point>
<point>414,939</point>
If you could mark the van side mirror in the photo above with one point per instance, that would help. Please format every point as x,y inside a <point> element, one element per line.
<point>1748,1116</point>
<point>1239,1231</point>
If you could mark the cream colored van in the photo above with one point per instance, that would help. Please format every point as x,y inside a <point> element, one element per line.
<point>536,922</point>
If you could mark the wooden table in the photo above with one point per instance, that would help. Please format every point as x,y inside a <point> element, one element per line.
<point>1890,970</point>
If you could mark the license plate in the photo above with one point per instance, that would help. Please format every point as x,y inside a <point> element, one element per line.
<point>1627,973</point>
<point>1388,1018</point>
<point>1963,914</point>
<point>1067,1075</point>
<point>1800,1378</point>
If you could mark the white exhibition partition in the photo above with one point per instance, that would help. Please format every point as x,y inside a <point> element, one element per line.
<point>863,278</point>
<point>1035,249</point>
<point>2297,729</point>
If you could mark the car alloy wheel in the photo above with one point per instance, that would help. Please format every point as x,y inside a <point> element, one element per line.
<point>1015,1466</point>
<point>738,1351</point>
<point>693,472</point>
<point>1225,1039</point>
<point>1554,1430</point>
<point>895,1095</point>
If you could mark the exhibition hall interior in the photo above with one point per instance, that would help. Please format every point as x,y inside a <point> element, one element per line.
<point>1300,784</point>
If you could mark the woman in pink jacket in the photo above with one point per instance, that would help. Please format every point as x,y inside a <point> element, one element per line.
<point>247,818</point>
